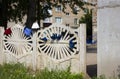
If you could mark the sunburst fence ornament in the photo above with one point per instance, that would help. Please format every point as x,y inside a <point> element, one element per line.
<point>17,43</point>
<point>58,42</point>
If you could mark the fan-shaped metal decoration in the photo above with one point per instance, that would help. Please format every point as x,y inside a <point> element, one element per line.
<point>17,43</point>
<point>58,42</point>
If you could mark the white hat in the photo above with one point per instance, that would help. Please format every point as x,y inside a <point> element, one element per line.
<point>35,25</point>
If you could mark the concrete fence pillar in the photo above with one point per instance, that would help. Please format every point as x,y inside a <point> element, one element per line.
<point>82,40</point>
<point>34,56</point>
<point>1,45</point>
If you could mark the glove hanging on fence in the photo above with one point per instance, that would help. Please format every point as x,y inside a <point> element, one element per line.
<point>58,37</point>
<point>71,44</point>
<point>44,39</point>
<point>8,31</point>
<point>27,31</point>
<point>54,36</point>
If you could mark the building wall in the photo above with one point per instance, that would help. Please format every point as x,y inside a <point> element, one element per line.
<point>94,18</point>
<point>67,19</point>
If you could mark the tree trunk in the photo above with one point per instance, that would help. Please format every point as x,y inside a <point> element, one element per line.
<point>38,12</point>
<point>4,14</point>
<point>31,15</point>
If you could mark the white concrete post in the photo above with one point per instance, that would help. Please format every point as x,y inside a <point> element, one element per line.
<point>108,21</point>
<point>1,45</point>
<point>34,57</point>
<point>82,37</point>
<point>41,24</point>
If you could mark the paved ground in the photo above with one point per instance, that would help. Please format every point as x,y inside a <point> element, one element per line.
<point>92,60</point>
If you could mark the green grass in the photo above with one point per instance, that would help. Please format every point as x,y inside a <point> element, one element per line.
<point>100,77</point>
<point>19,71</point>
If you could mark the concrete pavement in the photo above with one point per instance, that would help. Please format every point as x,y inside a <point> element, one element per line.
<point>91,60</point>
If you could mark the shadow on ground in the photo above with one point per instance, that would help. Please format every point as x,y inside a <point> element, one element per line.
<point>92,60</point>
<point>92,70</point>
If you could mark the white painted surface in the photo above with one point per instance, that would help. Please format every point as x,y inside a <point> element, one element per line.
<point>1,45</point>
<point>108,37</point>
<point>82,41</point>
<point>38,54</point>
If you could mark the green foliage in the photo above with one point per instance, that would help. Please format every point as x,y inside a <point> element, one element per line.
<point>13,71</point>
<point>16,9</point>
<point>59,74</point>
<point>18,71</point>
<point>87,18</point>
<point>100,77</point>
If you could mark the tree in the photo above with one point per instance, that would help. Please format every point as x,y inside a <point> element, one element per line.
<point>3,13</point>
<point>15,10</point>
<point>12,10</point>
<point>87,18</point>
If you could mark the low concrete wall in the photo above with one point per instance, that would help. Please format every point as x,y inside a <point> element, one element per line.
<point>108,37</point>
<point>52,54</point>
